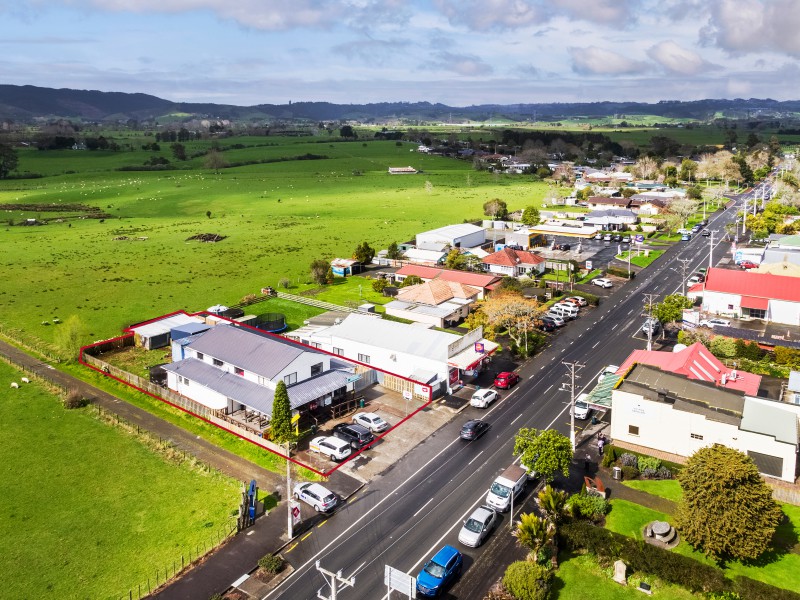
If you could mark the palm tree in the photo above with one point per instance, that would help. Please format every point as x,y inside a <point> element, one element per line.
<point>534,533</point>
<point>552,503</point>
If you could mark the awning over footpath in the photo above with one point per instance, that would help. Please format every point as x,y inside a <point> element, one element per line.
<point>468,359</point>
<point>755,303</point>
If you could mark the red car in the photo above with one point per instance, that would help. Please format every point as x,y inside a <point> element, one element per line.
<point>506,379</point>
<point>747,264</point>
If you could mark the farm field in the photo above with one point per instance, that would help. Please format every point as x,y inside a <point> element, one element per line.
<point>88,510</point>
<point>277,218</point>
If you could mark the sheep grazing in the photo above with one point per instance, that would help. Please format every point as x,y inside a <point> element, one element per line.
<point>14,384</point>
<point>25,380</point>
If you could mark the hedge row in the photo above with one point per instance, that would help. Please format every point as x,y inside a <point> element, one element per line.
<point>611,453</point>
<point>672,568</point>
<point>619,272</point>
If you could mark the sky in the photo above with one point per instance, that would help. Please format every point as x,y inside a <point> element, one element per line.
<point>457,52</point>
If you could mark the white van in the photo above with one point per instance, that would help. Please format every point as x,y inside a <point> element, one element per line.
<point>565,310</point>
<point>509,484</point>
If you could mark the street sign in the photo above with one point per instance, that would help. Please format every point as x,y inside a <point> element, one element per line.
<point>639,239</point>
<point>295,513</point>
<point>394,579</point>
<point>354,378</point>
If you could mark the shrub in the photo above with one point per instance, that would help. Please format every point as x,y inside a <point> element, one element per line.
<point>629,460</point>
<point>750,589</point>
<point>588,506</point>
<point>619,272</point>
<point>663,473</point>
<point>590,298</point>
<point>648,473</point>
<point>723,347</point>
<point>284,283</point>
<point>379,285</point>
<point>248,299</point>
<point>75,399</point>
<point>749,350</point>
<point>527,581</point>
<point>608,458</point>
<point>630,472</point>
<point>787,356</point>
<point>271,563</point>
<point>649,462</point>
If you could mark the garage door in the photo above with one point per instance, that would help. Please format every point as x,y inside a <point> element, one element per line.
<point>768,465</point>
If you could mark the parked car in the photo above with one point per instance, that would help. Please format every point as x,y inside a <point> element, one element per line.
<point>714,322</point>
<point>577,300</point>
<point>556,318</point>
<point>748,264</point>
<point>607,237</point>
<point>483,398</point>
<point>609,370</point>
<point>473,429</point>
<point>626,239</point>
<point>316,495</point>
<point>371,421</point>
<point>546,325</point>
<point>506,379</point>
<point>651,326</point>
<point>616,238</point>
<point>439,572</point>
<point>602,282</point>
<point>332,447</point>
<point>357,435</point>
<point>598,237</point>
<point>582,409</point>
<point>692,280</point>
<point>478,527</point>
<point>563,246</point>
<point>686,237</point>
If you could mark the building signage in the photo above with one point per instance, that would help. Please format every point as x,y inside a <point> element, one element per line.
<point>479,347</point>
<point>639,239</point>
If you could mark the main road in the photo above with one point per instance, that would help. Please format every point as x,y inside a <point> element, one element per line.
<point>404,516</point>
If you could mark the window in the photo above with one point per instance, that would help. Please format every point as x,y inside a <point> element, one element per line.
<point>633,429</point>
<point>200,356</point>
<point>697,436</point>
<point>316,369</point>
<point>185,381</point>
<point>364,358</point>
<point>338,351</point>
<point>217,362</point>
<point>730,306</point>
<point>757,313</point>
<point>238,370</point>
<point>290,378</point>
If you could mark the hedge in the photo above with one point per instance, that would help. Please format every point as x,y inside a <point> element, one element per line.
<point>590,298</point>
<point>619,272</point>
<point>611,453</point>
<point>672,568</point>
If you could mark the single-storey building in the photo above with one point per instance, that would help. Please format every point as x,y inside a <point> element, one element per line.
<point>156,332</point>
<point>425,362</point>
<point>402,170</point>
<point>525,238</point>
<point>647,204</point>
<point>463,235</point>
<point>437,302</point>
<point>342,267</point>
<point>485,282</point>
<point>614,219</point>
<point>667,412</point>
<point>514,263</point>
<point>431,258</point>
<point>744,294</point>
<point>606,202</point>
<point>236,368</point>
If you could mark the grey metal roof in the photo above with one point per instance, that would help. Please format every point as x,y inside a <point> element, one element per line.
<point>163,325</point>
<point>255,352</point>
<point>760,417</point>
<point>317,387</point>
<point>441,311</point>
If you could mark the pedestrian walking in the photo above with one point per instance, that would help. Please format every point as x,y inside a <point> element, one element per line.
<point>600,444</point>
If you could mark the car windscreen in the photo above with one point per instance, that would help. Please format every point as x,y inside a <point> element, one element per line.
<point>581,404</point>
<point>500,490</point>
<point>434,570</point>
<point>474,526</point>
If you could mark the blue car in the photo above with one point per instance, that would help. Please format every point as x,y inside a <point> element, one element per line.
<point>439,571</point>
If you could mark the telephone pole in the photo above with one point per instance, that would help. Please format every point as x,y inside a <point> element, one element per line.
<point>649,298</point>
<point>290,524</point>
<point>711,250</point>
<point>335,578</point>
<point>572,369</point>
<point>684,267</point>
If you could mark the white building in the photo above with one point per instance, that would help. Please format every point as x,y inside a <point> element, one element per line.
<point>463,235</point>
<point>407,357</point>
<point>657,410</point>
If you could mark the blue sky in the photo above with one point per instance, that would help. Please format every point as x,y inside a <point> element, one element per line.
<point>458,52</point>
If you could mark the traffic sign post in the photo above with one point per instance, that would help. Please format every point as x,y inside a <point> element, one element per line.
<point>394,579</point>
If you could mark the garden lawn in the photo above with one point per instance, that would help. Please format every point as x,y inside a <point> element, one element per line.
<point>87,510</point>
<point>347,291</point>
<point>640,260</point>
<point>664,488</point>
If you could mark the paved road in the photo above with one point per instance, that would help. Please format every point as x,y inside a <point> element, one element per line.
<point>401,518</point>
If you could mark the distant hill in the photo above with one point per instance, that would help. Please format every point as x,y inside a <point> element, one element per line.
<point>28,103</point>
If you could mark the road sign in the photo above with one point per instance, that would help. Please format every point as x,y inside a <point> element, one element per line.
<point>295,513</point>
<point>394,579</point>
<point>639,239</point>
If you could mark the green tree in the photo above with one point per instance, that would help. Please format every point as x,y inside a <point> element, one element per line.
<point>727,510</point>
<point>346,131</point>
<point>531,216</point>
<point>70,336</point>
<point>688,169</point>
<point>547,452</point>
<point>280,430</point>
<point>552,502</point>
<point>534,533</point>
<point>411,280</point>
<point>455,260</point>
<point>178,151</point>
<point>379,285</point>
<point>319,271</point>
<point>671,308</point>
<point>393,252</point>
<point>525,580</point>
<point>364,253</point>
<point>8,160</point>
<point>496,208</point>
<point>215,161</point>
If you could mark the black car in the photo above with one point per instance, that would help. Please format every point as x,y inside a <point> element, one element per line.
<point>474,429</point>
<point>563,247</point>
<point>617,238</point>
<point>357,435</point>
<point>546,325</point>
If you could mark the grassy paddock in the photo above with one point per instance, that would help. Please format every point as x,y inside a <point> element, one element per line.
<point>77,522</point>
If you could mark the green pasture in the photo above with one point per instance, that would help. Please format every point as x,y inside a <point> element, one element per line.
<point>277,217</point>
<point>87,510</point>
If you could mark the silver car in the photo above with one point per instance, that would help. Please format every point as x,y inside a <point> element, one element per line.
<point>478,527</point>
<point>371,421</point>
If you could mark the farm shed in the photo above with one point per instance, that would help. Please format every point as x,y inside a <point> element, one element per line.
<point>156,333</point>
<point>463,235</point>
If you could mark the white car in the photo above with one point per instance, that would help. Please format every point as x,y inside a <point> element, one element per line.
<point>582,407</point>
<point>692,280</point>
<point>478,526</point>
<point>609,370</point>
<point>483,398</point>
<point>651,326</point>
<point>577,301</point>
<point>602,282</point>
<point>715,322</point>
<point>332,447</point>
<point>371,421</point>
<point>315,495</point>
<point>557,319</point>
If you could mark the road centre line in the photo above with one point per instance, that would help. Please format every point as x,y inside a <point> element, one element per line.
<point>517,419</point>
<point>421,508</point>
<point>469,463</point>
<point>548,389</point>
<point>595,345</point>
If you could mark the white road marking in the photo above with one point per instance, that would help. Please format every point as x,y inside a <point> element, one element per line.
<point>421,508</point>
<point>469,463</point>
<point>596,344</point>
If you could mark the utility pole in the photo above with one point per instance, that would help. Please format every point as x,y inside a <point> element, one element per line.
<point>335,578</point>
<point>684,266</point>
<point>649,298</point>
<point>572,369</point>
<point>744,217</point>
<point>290,525</point>
<point>711,250</point>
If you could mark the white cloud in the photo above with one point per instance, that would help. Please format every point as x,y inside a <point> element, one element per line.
<point>612,12</point>
<point>370,51</point>
<point>677,59</point>
<point>464,65</point>
<point>485,15</point>
<point>598,61</point>
<point>744,26</point>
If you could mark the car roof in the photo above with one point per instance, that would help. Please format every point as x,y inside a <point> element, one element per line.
<point>504,374</point>
<point>481,513</point>
<point>472,422</point>
<point>319,490</point>
<point>332,440</point>
<point>445,554</point>
<point>369,415</point>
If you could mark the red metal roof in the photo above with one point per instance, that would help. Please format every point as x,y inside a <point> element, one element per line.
<point>477,279</point>
<point>758,303</point>
<point>511,258</point>
<point>695,362</point>
<point>754,285</point>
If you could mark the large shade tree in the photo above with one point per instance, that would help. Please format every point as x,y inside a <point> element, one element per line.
<point>545,451</point>
<point>727,510</point>
<point>281,420</point>
<point>8,160</point>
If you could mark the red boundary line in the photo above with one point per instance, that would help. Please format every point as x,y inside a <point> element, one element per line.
<point>129,333</point>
